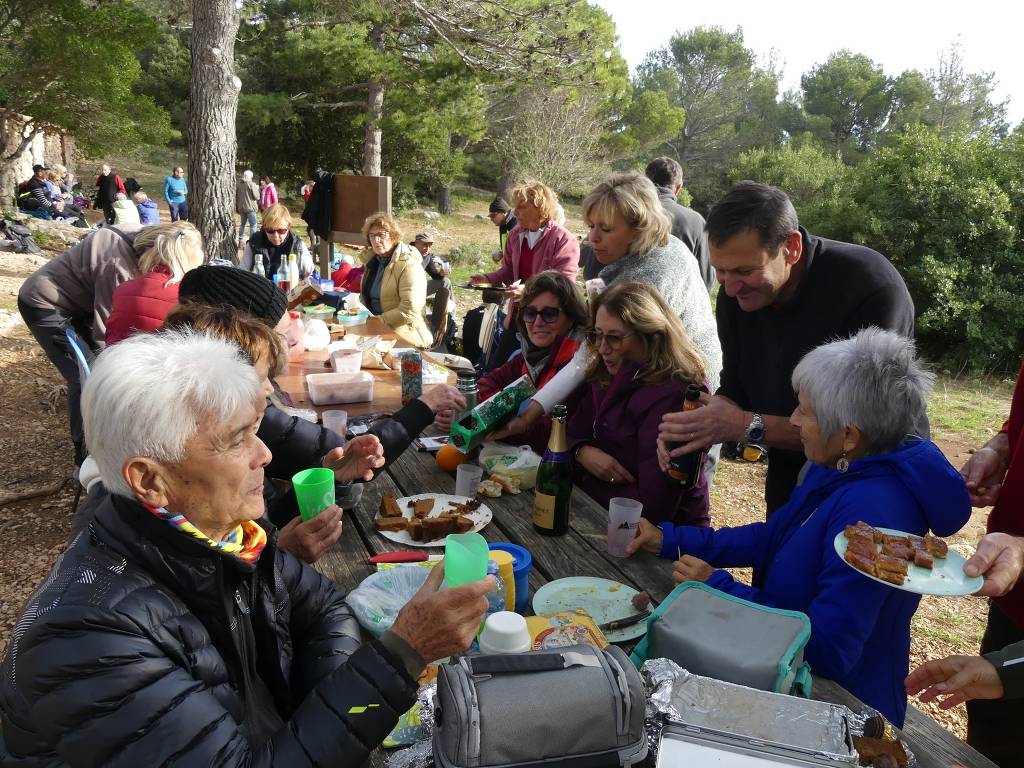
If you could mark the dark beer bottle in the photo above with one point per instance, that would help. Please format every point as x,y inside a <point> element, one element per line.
<point>553,494</point>
<point>685,470</point>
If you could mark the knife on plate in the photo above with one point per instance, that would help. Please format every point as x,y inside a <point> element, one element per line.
<point>629,621</point>
<point>401,556</point>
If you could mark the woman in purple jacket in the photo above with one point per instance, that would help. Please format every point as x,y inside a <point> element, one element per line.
<point>642,362</point>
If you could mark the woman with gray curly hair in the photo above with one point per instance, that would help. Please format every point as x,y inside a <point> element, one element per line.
<point>859,399</point>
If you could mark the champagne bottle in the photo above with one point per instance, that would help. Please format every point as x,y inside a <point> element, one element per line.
<point>553,494</point>
<point>685,470</point>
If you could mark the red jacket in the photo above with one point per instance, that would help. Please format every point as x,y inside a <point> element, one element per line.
<point>537,435</point>
<point>1007,515</point>
<point>140,305</point>
<point>347,277</point>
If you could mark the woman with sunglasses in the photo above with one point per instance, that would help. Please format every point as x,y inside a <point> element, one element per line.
<point>550,327</point>
<point>274,243</point>
<point>641,363</point>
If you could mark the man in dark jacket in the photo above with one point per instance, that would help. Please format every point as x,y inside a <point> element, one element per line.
<point>687,224</point>
<point>174,631</point>
<point>502,216</point>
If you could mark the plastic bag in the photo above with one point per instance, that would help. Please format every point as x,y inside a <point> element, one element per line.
<point>381,595</point>
<point>317,335</point>
<point>516,461</point>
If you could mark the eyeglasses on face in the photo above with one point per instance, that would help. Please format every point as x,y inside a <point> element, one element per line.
<point>277,231</point>
<point>613,340</point>
<point>379,235</point>
<point>547,314</point>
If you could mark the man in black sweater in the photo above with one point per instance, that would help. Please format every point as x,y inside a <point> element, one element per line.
<point>784,292</point>
<point>687,224</point>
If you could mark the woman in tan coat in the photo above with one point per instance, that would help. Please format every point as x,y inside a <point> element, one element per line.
<point>394,285</point>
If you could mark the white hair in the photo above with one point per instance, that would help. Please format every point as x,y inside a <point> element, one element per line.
<point>872,381</point>
<point>147,396</point>
<point>247,175</point>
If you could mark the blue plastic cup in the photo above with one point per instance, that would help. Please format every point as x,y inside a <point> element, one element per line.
<point>522,563</point>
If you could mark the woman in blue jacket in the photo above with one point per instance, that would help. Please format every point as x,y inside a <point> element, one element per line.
<point>858,400</point>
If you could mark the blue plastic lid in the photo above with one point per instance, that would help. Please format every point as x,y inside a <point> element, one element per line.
<point>522,560</point>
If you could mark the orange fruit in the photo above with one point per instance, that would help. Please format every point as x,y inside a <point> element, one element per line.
<point>449,457</point>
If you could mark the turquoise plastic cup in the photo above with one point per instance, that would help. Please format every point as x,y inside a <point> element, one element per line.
<point>314,491</point>
<point>465,558</point>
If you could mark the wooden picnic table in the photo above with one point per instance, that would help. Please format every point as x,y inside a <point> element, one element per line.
<point>581,552</point>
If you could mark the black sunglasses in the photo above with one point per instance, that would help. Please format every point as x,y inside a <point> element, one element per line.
<point>547,314</point>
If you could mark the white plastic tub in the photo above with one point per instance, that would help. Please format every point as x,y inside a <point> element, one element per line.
<point>331,388</point>
<point>346,360</point>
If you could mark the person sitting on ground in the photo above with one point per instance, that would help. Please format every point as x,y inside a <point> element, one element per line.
<point>149,213</point>
<point>274,243</point>
<point>296,443</point>
<point>176,630</point>
<point>347,277</point>
<point>76,290</point>
<point>439,286</point>
<point>268,193</point>
<point>125,212</point>
<point>394,286</point>
<point>176,194</point>
<point>141,304</point>
<point>36,198</point>
<point>551,324</point>
<point>502,216</point>
<point>641,363</point>
<point>858,401</point>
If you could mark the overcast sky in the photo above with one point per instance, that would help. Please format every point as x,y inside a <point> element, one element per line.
<point>897,34</point>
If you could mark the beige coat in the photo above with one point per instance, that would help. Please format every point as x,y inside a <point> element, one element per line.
<point>403,294</point>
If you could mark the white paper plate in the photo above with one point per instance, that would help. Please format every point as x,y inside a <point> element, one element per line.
<point>443,502</point>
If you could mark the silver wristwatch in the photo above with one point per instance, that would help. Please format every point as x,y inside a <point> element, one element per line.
<point>755,430</point>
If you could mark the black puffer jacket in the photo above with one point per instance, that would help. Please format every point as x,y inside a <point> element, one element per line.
<point>144,647</point>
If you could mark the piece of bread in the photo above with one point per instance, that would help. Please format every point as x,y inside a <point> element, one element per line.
<point>415,529</point>
<point>862,546</point>
<point>489,488</point>
<point>861,562</point>
<point>438,527</point>
<point>463,524</point>
<point>389,507</point>
<point>923,559</point>
<point>508,484</point>
<point>393,524</point>
<point>892,564</point>
<point>935,547</point>
<point>423,507</point>
<point>891,576</point>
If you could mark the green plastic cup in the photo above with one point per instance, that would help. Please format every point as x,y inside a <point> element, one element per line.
<point>465,558</point>
<point>314,490</point>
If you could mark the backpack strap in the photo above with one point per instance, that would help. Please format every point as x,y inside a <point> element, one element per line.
<point>530,662</point>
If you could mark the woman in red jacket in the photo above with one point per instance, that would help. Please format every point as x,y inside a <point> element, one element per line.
<point>550,325</point>
<point>140,305</point>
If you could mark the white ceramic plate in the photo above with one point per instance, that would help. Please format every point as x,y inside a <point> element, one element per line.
<point>605,600</point>
<point>443,502</point>
<point>946,578</point>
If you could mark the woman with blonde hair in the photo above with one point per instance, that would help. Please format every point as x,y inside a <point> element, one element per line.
<point>394,285</point>
<point>641,364</point>
<point>274,243</point>
<point>538,243</point>
<point>169,250</point>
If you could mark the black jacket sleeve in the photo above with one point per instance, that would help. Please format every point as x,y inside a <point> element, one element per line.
<point>397,432</point>
<point>296,444</point>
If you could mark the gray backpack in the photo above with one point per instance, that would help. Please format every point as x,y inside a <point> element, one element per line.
<point>579,706</point>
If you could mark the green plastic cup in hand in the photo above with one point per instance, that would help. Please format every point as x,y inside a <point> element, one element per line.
<point>314,491</point>
<point>465,558</point>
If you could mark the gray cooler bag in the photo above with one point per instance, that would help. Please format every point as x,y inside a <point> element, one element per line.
<point>714,634</point>
<point>577,706</point>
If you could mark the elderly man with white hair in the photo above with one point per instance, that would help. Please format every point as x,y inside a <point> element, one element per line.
<point>247,202</point>
<point>173,630</point>
<point>859,400</point>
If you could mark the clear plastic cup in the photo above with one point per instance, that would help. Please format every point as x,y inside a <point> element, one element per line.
<point>336,421</point>
<point>623,521</point>
<point>467,478</point>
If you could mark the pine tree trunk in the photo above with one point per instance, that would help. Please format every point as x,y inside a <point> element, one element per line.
<point>444,199</point>
<point>211,125</point>
<point>374,114</point>
<point>505,184</point>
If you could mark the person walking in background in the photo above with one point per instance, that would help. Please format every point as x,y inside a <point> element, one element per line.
<point>687,224</point>
<point>108,184</point>
<point>176,194</point>
<point>247,202</point>
<point>148,211</point>
<point>268,193</point>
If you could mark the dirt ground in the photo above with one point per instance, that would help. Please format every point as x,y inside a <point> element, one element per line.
<point>37,454</point>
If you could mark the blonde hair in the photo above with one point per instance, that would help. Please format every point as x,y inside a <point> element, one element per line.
<point>385,222</point>
<point>634,196</point>
<point>176,245</point>
<point>139,196</point>
<point>538,194</point>
<point>277,216</point>
<point>670,353</point>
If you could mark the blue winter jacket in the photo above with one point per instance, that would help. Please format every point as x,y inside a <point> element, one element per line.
<point>860,628</point>
<point>175,190</point>
<point>148,211</point>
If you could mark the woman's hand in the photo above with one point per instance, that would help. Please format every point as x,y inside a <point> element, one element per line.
<point>690,568</point>
<point>357,460</point>
<point>649,537</point>
<point>602,466</point>
<point>957,679</point>
<point>308,539</point>
<point>474,279</point>
<point>519,424</point>
<point>985,470</point>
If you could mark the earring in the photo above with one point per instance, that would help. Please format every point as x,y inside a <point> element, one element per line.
<point>843,463</point>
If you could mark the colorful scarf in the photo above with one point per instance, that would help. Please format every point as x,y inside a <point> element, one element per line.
<point>246,542</point>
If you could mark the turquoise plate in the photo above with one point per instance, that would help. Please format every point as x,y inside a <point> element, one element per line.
<point>946,578</point>
<point>605,600</point>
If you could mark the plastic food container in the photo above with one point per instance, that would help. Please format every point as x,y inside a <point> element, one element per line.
<point>346,360</point>
<point>331,388</point>
<point>322,312</point>
<point>346,319</point>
